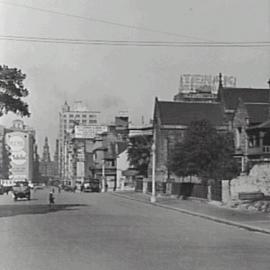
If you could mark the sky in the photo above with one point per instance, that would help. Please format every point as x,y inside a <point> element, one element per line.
<point>119,78</point>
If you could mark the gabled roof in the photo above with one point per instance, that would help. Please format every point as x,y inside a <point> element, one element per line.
<point>257,112</point>
<point>230,96</point>
<point>182,113</point>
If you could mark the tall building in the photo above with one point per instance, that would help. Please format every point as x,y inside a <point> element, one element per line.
<point>77,114</point>
<point>20,142</point>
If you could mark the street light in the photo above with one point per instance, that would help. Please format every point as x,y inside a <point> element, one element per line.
<point>103,189</point>
<point>153,197</point>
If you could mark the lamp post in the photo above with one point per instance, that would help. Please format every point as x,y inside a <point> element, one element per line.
<point>103,189</point>
<point>153,197</point>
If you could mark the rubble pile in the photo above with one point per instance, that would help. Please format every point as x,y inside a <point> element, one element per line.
<point>262,205</point>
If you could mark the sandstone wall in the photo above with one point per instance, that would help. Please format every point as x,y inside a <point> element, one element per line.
<point>258,180</point>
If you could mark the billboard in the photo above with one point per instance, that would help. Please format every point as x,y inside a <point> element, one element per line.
<point>193,82</point>
<point>18,146</point>
<point>89,132</point>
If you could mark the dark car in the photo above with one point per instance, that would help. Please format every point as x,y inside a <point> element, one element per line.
<point>21,190</point>
<point>92,185</point>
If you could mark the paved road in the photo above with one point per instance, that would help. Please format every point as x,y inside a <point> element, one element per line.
<point>100,231</point>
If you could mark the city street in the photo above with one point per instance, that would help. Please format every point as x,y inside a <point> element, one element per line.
<point>101,231</point>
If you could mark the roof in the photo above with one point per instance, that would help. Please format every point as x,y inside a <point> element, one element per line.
<point>182,113</point>
<point>264,125</point>
<point>257,112</point>
<point>230,96</point>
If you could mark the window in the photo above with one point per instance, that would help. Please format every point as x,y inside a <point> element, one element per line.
<point>77,116</point>
<point>92,121</point>
<point>71,115</point>
<point>84,121</point>
<point>84,115</point>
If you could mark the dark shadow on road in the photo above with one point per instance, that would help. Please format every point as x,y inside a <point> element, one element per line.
<point>15,210</point>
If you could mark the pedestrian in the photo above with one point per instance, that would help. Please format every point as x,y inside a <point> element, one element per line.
<point>51,199</point>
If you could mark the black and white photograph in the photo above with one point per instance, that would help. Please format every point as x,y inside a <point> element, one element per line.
<point>134,135</point>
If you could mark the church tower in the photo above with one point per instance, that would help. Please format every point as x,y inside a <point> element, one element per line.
<point>46,151</point>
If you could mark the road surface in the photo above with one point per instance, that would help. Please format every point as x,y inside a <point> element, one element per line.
<point>101,231</point>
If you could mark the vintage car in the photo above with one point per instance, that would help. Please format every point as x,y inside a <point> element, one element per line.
<point>91,185</point>
<point>21,189</point>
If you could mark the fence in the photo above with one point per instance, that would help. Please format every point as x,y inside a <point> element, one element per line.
<point>185,189</point>
<point>190,189</point>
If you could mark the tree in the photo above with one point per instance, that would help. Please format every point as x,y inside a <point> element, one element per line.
<point>12,91</point>
<point>204,152</point>
<point>139,153</point>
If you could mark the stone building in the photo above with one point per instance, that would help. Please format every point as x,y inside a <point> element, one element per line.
<point>47,167</point>
<point>243,111</point>
<point>171,119</point>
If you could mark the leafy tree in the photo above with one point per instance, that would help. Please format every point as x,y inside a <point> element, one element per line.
<point>139,153</point>
<point>12,91</point>
<point>204,152</point>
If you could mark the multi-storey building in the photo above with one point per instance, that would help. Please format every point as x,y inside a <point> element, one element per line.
<point>20,142</point>
<point>77,114</point>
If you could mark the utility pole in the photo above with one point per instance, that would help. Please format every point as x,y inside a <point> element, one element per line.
<point>103,189</point>
<point>153,197</point>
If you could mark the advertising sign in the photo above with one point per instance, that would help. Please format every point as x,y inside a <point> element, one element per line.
<point>189,82</point>
<point>17,143</point>
<point>89,132</point>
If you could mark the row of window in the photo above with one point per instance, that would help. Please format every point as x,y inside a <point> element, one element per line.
<point>80,115</point>
<point>82,121</point>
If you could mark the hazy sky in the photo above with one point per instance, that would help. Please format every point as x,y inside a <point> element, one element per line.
<point>111,78</point>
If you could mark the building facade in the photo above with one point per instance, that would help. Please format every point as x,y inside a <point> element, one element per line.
<point>243,111</point>
<point>77,114</point>
<point>20,142</point>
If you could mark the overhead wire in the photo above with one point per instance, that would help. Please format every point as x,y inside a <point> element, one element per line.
<point>91,19</point>
<point>134,43</point>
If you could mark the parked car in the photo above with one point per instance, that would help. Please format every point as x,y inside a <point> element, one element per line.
<point>21,189</point>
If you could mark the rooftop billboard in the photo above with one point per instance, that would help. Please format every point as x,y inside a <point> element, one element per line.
<point>89,131</point>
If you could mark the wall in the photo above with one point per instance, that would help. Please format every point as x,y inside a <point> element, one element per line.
<point>122,164</point>
<point>165,142</point>
<point>258,180</point>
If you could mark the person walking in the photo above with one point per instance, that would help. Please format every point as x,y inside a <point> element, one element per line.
<point>51,199</point>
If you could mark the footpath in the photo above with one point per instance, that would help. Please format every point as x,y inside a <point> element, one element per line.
<point>245,219</point>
